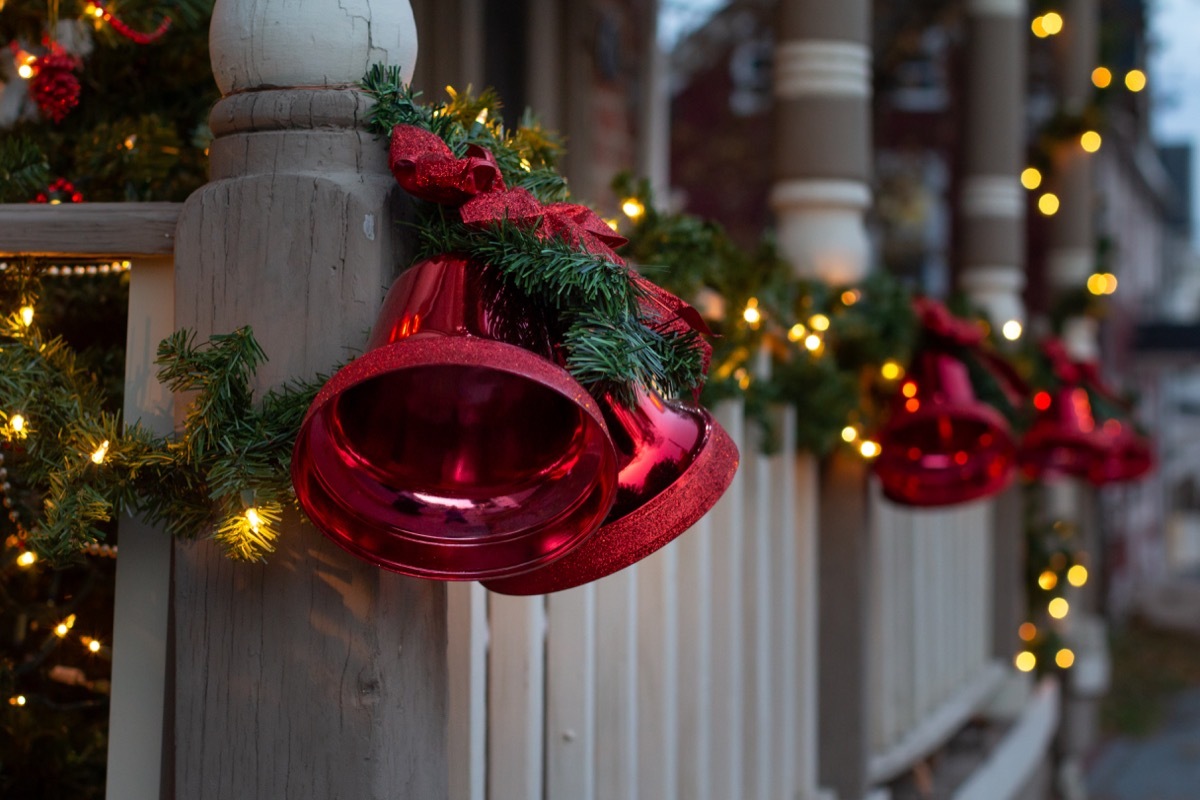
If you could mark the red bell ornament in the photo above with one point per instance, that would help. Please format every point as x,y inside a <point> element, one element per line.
<point>1066,439</point>
<point>455,448</point>
<point>675,463</point>
<point>941,445</point>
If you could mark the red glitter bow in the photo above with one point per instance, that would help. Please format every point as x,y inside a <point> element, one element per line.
<point>426,168</point>
<point>578,225</point>
<point>1078,373</point>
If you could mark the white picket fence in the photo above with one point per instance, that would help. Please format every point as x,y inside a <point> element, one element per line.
<point>687,676</point>
<point>692,675</point>
<point>931,629</point>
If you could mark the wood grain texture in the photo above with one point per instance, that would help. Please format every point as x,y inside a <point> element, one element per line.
<point>105,230</point>
<point>314,675</point>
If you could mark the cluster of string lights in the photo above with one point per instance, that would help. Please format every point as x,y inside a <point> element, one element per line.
<point>1057,608</point>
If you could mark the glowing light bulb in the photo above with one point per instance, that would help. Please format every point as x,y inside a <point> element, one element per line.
<point>1048,204</point>
<point>1077,575</point>
<point>1110,283</point>
<point>1031,178</point>
<point>27,559</point>
<point>797,332</point>
<point>850,297</point>
<point>18,700</point>
<point>17,422</point>
<point>752,315</point>
<point>909,389</point>
<point>1090,141</point>
<point>525,165</point>
<point>1027,631</point>
<point>813,342</point>
<point>891,370</point>
<point>1064,658</point>
<point>254,519</point>
<point>849,433</point>
<point>869,449</point>
<point>1012,330</point>
<point>1048,580</point>
<point>1041,401</point>
<point>61,629</point>
<point>482,117</point>
<point>819,322</point>
<point>1059,608</point>
<point>27,315</point>
<point>100,453</point>
<point>1135,80</point>
<point>1096,284</point>
<point>94,646</point>
<point>613,223</point>
<point>1052,23</point>
<point>25,71</point>
<point>1101,77</point>
<point>1025,661</point>
<point>1039,27</point>
<point>633,208</point>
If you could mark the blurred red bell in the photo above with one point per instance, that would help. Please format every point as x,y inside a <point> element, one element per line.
<point>451,449</point>
<point>676,462</point>
<point>941,445</point>
<point>1065,439</point>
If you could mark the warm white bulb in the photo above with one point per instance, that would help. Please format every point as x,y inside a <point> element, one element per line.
<point>94,646</point>
<point>1012,330</point>
<point>254,519</point>
<point>27,558</point>
<point>100,453</point>
<point>25,71</point>
<point>27,315</point>
<point>17,422</point>
<point>633,208</point>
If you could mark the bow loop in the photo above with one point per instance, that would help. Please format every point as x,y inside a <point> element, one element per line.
<point>426,168</point>
<point>577,225</point>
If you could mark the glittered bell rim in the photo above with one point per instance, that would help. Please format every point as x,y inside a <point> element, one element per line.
<point>631,537</point>
<point>419,457</point>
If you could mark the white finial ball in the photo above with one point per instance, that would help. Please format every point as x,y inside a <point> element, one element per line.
<point>259,44</point>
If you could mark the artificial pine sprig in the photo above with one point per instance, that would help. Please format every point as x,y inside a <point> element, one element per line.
<point>24,170</point>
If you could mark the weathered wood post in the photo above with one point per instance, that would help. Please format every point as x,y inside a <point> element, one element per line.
<point>823,158</point>
<point>314,674</point>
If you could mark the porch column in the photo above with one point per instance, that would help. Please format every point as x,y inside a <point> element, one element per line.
<point>823,137</point>
<point>992,209</point>
<point>821,194</point>
<point>314,674</point>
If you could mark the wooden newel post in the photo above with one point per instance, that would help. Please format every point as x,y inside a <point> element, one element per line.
<point>314,674</point>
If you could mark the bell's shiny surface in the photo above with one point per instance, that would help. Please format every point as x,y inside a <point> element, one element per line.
<point>451,449</point>
<point>676,462</point>
<point>941,445</point>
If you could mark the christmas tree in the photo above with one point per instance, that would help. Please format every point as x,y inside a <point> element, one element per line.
<point>99,101</point>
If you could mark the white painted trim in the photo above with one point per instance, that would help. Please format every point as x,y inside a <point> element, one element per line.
<point>1013,763</point>
<point>805,194</point>
<point>466,665</point>
<point>571,694</point>
<point>143,582</point>
<point>992,196</point>
<point>937,727</point>
<point>808,67</point>
<point>996,8</point>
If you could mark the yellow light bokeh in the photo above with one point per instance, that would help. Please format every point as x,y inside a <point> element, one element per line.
<point>1025,661</point>
<point>1048,580</point>
<point>94,646</point>
<point>891,370</point>
<point>1064,658</point>
<point>61,629</point>
<point>633,208</point>
<point>254,519</point>
<point>27,315</point>
<point>752,315</point>
<point>1031,178</point>
<point>813,342</point>
<point>1090,141</point>
<point>797,332</point>
<point>25,71</point>
<point>1027,631</point>
<point>1110,283</point>
<point>1059,608</point>
<point>850,297</point>
<point>1077,575</point>
<point>27,559</point>
<point>849,433</point>
<point>1052,23</point>
<point>1039,27</point>
<point>869,449</point>
<point>1135,80</point>
<point>909,389</point>
<point>100,452</point>
<point>1101,77</point>
<point>1048,204</point>
<point>1012,330</point>
<point>1096,284</point>
<point>819,322</point>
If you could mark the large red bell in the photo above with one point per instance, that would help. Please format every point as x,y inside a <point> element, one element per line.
<point>941,445</point>
<point>676,462</point>
<point>1066,439</point>
<point>451,449</point>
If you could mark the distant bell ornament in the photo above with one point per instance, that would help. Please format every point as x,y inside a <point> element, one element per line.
<point>941,445</point>
<point>455,448</point>
<point>1069,437</point>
